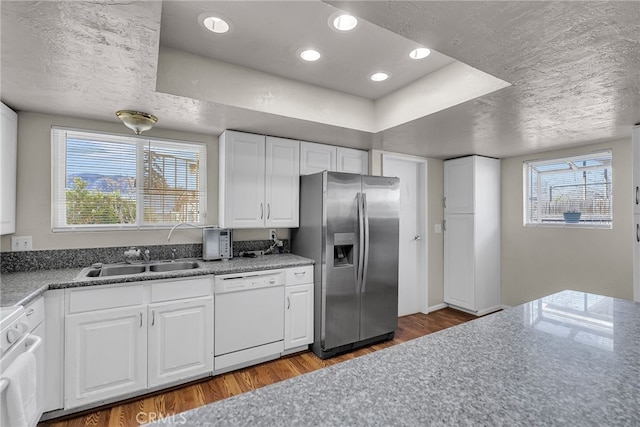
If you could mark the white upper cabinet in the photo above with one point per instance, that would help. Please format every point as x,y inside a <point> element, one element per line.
<point>316,158</point>
<point>353,161</point>
<point>636,169</point>
<point>259,181</point>
<point>459,185</point>
<point>8,158</point>
<point>282,183</point>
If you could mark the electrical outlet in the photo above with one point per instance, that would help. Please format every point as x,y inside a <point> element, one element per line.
<point>272,234</point>
<point>21,243</point>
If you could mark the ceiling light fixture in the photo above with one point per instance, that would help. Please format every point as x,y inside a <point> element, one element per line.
<point>345,22</point>
<point>379,77</point>
<point>419,53</point>
<point>310,55</point>
<point>137,121</point>
<point>215,23</point>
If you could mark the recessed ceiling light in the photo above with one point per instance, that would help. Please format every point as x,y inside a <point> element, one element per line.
<point>379,77</point>
<point>215,24</point>
<point>310,55</point>
<point>419,53</point>
<point>344,22</point>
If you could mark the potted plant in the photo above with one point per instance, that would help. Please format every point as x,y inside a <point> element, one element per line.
<point>571,216</point>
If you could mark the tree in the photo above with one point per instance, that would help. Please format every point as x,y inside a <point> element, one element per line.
<point>96,207</point>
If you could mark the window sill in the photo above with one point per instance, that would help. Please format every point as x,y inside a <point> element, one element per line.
<point>569,225</point>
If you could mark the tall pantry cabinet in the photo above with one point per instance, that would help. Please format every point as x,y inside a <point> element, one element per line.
<point>636,213</point>
<point>472,234</point>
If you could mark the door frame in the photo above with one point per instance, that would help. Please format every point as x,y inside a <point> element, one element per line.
<point>421,162</point>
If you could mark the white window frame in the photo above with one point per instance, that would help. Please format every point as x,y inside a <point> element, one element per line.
<point>59,137</point>
<point>527,197</point>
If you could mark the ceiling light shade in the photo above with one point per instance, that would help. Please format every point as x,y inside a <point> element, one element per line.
<point>310,55</point>
<point>345,22</point>
<point>419,53</point>
<point>379,77</point>
<point>137,121</point>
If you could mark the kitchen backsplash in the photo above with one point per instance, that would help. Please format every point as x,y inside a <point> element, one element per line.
<point>11,262</point>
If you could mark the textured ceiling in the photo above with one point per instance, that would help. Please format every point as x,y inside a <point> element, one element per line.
<point>574,69</point>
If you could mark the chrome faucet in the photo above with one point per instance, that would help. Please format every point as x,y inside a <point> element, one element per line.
<point>133,251</point>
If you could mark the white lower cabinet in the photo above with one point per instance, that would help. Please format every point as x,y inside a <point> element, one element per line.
<point>298,320</point>
<point>105,354</point>
<point>180,340</point>
<point>124,339</point>
<point>298,308</point>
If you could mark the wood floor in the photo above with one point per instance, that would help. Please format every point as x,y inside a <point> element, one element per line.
<point>143,409</point>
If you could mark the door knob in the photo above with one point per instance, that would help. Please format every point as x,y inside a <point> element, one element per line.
<point>416,238</point>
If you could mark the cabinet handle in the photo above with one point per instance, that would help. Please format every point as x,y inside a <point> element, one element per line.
<point>268,210</point>
<point>141,319</point>
<point>299,273</point>
<point>444,202</point>
<point>261,211</point>
<point>153,317</point>
<point>638,232</point>
<point>30,312</point>
<point>288,303</point>
<point>444,225</point>
<point>637,196</point>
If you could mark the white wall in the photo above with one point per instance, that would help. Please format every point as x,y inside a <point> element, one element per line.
<point>33,210</point>
<point>541,261</point>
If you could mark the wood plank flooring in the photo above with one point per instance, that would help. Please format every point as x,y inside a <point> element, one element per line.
<point>140,410</point>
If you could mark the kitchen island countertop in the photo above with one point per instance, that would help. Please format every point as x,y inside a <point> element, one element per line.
<point>568,359</point>
<point>23,287</point>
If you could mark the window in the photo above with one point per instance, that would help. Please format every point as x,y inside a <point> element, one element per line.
<point>103,181</point>
<point>573,190</point>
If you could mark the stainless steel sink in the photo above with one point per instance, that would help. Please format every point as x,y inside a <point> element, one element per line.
<point>174,266</point>
<point>107,270</point>
<point>119,270</point>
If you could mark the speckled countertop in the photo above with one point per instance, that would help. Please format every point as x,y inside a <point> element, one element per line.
<point>23,287</point>
<point>568,359</point>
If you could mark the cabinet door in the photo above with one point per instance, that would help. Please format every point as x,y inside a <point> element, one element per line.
<point>105,354</point>
<point>180,340</point>
<point>459,268</point>
<point>242,168</point>
<point>282,182</point>
<point>459,185</point>
<point>636,169</point>
<point>8,158</point>
<point>353,161</point>
<point>316,158</point>
<point>298,323</point>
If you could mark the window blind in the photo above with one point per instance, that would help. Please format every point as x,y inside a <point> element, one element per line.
<point>103,181</point>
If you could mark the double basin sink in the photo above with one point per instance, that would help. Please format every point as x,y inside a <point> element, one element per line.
<point>108,270</point>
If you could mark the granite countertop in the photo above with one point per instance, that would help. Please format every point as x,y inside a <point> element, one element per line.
<point>567,359</point>
<point>23,287</point>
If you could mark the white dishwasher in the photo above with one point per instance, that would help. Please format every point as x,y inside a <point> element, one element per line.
<point>249,319</point>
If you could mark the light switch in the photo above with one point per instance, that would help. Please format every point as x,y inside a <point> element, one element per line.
<point>437,228</point>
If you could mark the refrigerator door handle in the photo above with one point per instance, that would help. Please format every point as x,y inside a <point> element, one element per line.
<point>365,267</point>
<point>359,266</point>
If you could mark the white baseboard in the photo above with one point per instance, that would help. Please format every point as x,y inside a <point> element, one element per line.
<point>436,307</point>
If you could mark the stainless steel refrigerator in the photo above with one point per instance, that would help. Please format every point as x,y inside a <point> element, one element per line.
<point>349,226</point>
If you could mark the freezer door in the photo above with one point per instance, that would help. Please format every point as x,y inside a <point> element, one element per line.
<point>340,298</point>
<point>379,299</point>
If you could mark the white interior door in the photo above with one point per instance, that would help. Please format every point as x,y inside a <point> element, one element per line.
<point>412,270</point>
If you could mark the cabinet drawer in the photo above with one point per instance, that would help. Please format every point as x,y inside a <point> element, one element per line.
<point>95,298</point>
<point>300,275</point>
<point>35,313</point>
<point>184,288</point>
